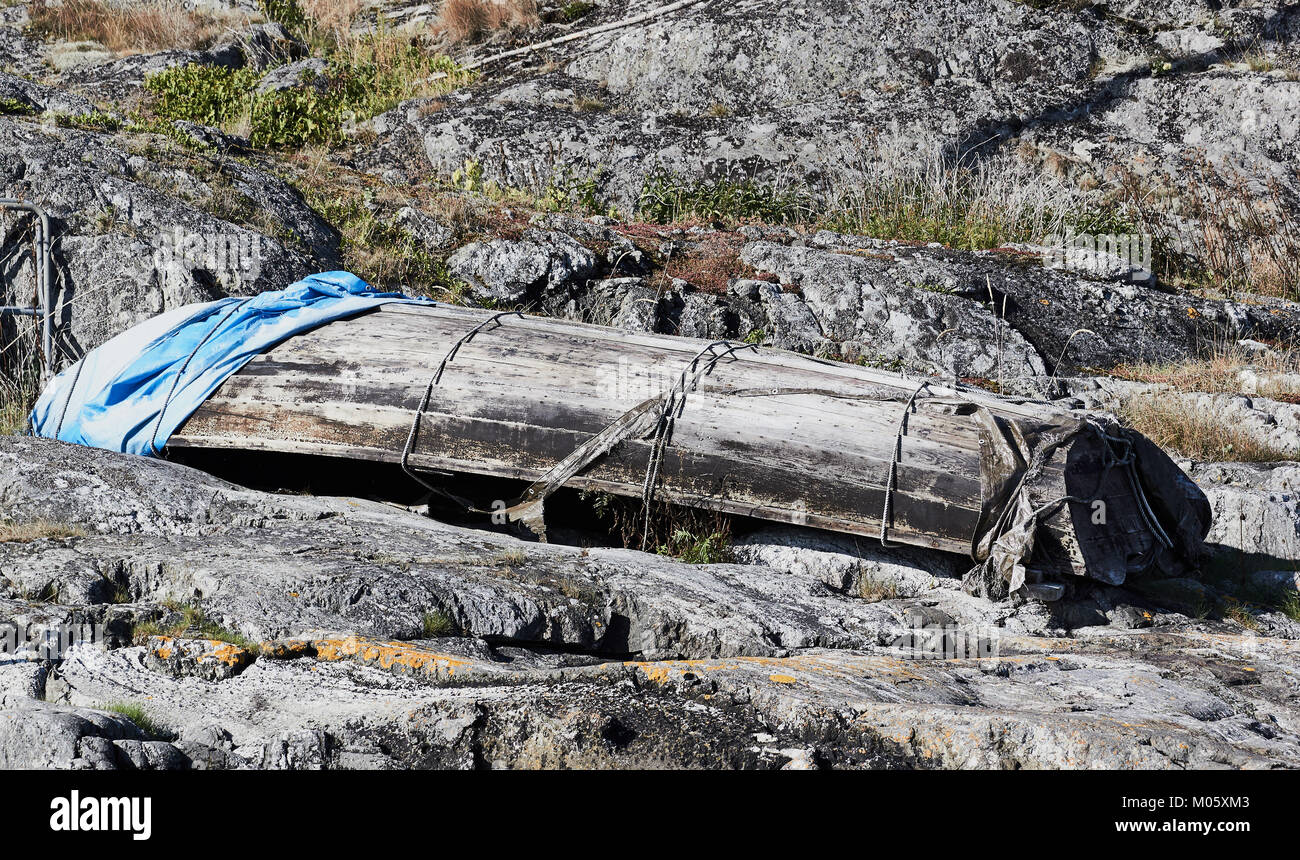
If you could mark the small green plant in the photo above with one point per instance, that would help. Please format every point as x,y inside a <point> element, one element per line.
<point>93,121</point>
<point>575,9</point>
<point>382,252</point>
<point>667,197</point>
<point>469,177</point>
<point>1289,605</point>
<point>756,336</point>
<point>192,623</point>
<point>569,193</point>
<point>374,74</point>
<point>687,546</point>
<point>437,625</point>
<point>14,107</point>
<point>931,287</point>
<point>135,712</point>
<point>296,117</point>
<point>286,13</point>
<point>105,220</point>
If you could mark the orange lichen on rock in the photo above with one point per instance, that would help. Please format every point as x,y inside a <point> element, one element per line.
<point>287,649</point>
<point>161,646</point>
<point>211,659</point>
<point>398,657</point>
<point>231,655</point>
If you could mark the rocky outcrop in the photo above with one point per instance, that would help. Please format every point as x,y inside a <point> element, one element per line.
<point>140,232</point>
<point>995,315</point>
<point>20,96</point>
<point>513,272</point>
<point>35,734</point>
<point>391,640</point>
<point>820,95</point>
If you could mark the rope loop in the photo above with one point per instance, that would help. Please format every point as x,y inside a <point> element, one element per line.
<point>411,437</point>
<point>891,477</point>
<point>674,401</point>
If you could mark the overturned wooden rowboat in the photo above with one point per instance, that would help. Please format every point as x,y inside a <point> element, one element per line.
<point>1025,489</point>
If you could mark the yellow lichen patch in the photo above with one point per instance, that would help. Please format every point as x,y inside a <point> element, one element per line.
<point>390,656</point>
<point>161,646</point>
<point>810,669</point>
<point>662,672</point>
<point>657,674</point>
<point>231,655</point>
<point>286,649</point>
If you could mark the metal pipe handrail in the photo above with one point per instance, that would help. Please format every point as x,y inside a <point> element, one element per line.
<point>45,284</point>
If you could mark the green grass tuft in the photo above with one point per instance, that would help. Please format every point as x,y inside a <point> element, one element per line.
<point>692,548</point>
<point>135,712</point>
<point>438,625</point>
<point>667,197</point>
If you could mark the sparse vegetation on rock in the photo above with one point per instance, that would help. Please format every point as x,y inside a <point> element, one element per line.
<point>954,196</point>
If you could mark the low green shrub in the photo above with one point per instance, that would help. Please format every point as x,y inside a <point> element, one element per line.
<point>667,197</point>
<point>210,95</point>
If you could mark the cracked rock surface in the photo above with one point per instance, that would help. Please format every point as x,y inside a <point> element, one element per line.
<point>564,657</point>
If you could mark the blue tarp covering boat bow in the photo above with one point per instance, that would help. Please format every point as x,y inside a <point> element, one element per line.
<point>131,393</point>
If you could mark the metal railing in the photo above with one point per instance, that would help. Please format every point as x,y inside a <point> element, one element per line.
<point>44,281</point>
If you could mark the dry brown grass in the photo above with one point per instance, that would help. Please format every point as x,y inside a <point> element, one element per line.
<point>334,17</point>
<point>150,26</point>
<point>1180,426</point>
<point>38,530</point>
<point>1247,238</point>
<point>471,20</point>
<point>1220,373</point>
<point>13,415</point>
<point>874,590</point>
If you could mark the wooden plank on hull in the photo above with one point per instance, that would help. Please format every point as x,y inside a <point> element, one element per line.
<point>774,435</point>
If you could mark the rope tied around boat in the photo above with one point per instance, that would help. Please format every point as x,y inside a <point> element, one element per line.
<point>674,401</point>
<point>891,476</point>
<point>670,405</point>
<point>424,405</point>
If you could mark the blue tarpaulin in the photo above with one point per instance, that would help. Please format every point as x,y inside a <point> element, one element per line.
<point>131,393</point>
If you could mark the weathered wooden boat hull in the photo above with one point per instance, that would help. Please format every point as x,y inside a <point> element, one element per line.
<point>763,433</point>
